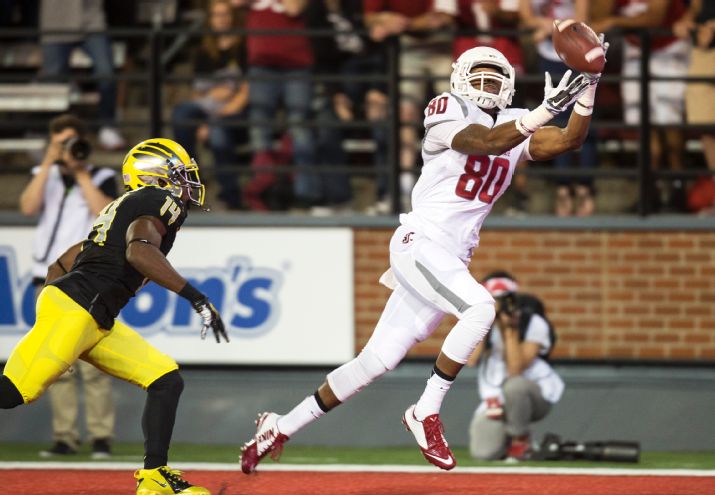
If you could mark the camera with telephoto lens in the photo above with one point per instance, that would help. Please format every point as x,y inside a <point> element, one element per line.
<point>552,448</point>
<point>507,303</point>
<point>79,148</point>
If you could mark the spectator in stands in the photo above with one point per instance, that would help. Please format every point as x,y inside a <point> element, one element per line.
<point>668,58</point>
<point>347,54</point>
<point>67,193</point>
<point>516,383</point>
<point>479,16</point>
<point>425,51</point>
<point>281,66</point>
<point>18,13</point>
<point>698,25</point>
<point>85,18</point>
<point>571,198</point>
<point>220,99</point>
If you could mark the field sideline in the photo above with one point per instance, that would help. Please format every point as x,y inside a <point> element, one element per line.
<point>131,453</point>
<point>356,471</point>
<point>115,478</point>
<point>364,468</point>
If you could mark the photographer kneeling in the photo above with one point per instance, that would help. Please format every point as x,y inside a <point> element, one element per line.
<point>517,385</point>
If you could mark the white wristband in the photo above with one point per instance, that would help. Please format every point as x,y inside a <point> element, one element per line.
<point>529,123</point>
<point>584,104</point>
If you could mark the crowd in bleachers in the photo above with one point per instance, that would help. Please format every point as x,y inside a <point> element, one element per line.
<point>300,123</point>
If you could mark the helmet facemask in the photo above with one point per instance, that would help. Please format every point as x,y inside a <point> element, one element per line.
<point>186,177</point>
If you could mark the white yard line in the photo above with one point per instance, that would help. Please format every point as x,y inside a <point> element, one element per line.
<point>366,468</point>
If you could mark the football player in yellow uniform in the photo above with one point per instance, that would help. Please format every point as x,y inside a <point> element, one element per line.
<point>93,280</point>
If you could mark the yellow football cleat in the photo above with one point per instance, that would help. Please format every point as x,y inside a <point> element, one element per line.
<point>165,481</point>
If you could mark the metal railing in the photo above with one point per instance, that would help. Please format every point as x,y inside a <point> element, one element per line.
<point>155,77</point>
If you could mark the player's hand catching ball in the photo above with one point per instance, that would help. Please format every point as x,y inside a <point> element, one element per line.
<point>594,77</point>
<point>558,99</point>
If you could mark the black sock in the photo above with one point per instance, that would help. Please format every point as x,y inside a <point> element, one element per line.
<point>158,420</point>
<point>10,396</point>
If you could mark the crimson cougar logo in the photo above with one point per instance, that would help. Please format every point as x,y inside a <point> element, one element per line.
<point>408,238</point>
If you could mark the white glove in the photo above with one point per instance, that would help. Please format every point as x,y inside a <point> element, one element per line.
<point>558,99</point>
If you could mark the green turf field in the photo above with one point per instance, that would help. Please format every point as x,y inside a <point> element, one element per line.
<point>324,455</point>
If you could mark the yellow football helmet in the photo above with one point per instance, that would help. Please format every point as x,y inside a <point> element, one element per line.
<point>166,164</point>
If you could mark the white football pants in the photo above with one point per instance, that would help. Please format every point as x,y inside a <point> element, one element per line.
<point>431,282</point>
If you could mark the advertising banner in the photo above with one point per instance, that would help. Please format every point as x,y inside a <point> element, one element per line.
<point>285,295</point>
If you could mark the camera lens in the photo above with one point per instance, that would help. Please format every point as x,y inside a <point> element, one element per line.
<point>79,148</point>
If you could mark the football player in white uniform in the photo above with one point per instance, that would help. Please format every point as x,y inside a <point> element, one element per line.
<point>472,145</point>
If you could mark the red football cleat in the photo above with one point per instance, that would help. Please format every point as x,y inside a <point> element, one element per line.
<point>267,440</point>
<point>429,434</point>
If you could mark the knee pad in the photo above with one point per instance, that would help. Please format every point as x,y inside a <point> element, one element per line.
<point>351,377</point>
<point>471,328</point>
<point>10,396</point>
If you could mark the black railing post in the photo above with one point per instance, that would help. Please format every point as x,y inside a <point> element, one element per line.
<point>393,138</point>
<point>155,78</point>
<point>644,158</point>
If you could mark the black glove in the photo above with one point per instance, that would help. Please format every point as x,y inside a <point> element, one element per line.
<point>211,318</point>
<point>206,310</point>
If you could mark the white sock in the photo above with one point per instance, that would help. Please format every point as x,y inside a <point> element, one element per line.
<point>431,400</point>
<point>304,413</point>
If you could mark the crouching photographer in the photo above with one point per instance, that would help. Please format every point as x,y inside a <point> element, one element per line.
<point>516,383</point>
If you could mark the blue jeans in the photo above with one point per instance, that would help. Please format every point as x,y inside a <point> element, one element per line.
<point>55,62</point>
<point>296,94</point>
<point>222,142</point>
<point>335,187</point>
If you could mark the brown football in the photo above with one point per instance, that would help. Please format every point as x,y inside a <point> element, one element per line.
<point>578,46</point>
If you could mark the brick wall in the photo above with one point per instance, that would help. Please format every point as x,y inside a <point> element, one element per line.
<point>611,295</point>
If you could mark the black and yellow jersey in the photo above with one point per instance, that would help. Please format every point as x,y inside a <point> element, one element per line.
<point>101,280</point>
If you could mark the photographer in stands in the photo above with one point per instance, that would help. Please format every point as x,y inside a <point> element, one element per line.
<point>67,193</point>
<point>517,385</point>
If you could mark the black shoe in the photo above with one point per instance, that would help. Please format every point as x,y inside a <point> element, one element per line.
<point>59,448</point>
<point>101,449</point>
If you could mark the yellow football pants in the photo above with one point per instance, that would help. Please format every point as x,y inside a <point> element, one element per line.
<point>65,332</point>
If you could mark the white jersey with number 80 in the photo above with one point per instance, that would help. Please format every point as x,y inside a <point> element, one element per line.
<point>456,192</point>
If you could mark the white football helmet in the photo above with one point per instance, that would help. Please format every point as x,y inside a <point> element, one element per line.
<point>462,79</point>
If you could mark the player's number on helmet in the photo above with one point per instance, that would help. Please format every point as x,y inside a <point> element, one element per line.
<point>482,176</point>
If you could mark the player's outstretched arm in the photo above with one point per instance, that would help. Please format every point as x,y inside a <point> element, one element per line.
<point>549,142</point>
<point>63,264</point>
<point>477,139</point>
<point>143,239</point>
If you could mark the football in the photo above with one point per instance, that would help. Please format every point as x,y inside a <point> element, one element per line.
<point>578,46</point>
